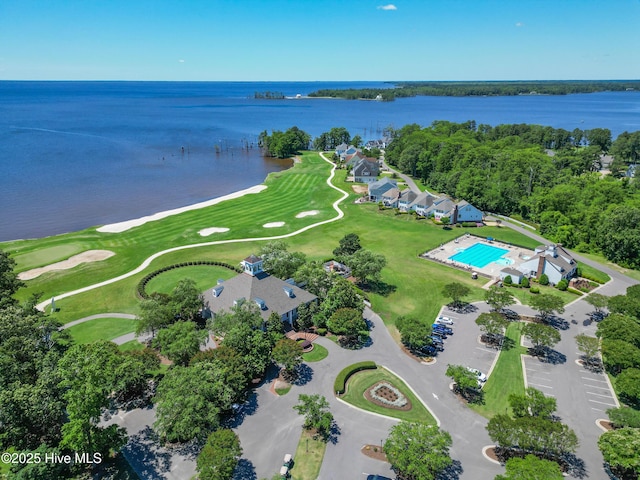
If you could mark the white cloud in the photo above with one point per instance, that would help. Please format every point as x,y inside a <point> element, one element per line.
<point>519,24</point>
<point>390,6</point>
<point>181,61</point>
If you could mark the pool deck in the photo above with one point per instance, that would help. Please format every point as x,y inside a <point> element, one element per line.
<point>442,254</point>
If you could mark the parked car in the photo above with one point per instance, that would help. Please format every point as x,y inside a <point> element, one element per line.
<point>441,328</point>
<point>436,339</point>
<point>444,320</point>
<point>286,465</point>
<point>481,376</point>
<point>439,333</point>
<point>377,477</point>
<point>438,346</point>
<point>429,350</point>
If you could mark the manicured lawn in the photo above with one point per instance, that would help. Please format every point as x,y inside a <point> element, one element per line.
<point>318,353</point>
<point>635,274</point>
<point>308,458</point>
<point>359,382</point>
<point>283,391</point>
<point>101,329</point>
<point>524,295</point>
<point>205,277</point>
<point>506,378</point>
<point>46,256</point>
<point>599,276</point>
<point>131,345</point>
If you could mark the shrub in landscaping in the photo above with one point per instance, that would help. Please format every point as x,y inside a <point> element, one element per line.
<point>563,285</point>
<point>534,290</point>
<point>624,417</point>
<point>574,291</point>
<point>321,331</point>
<point>544,279</point>
<point>469,224</point>
<point>508,280</point>
<point>524,282</point>
<point>339,385</point>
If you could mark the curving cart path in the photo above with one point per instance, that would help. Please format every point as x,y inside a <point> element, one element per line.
<point>42,305</point>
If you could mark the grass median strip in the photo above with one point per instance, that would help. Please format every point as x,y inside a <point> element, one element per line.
<point>506,378</point>
<point>308,457</point>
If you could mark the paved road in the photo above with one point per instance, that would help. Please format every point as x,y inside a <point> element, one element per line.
<point>408,180</point>
<point>99,315</point>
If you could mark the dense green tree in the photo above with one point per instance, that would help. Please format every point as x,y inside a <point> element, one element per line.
<point>414,333</point>
<point>315,278</point>
<point>466,382</point>
<point>493,324</point>
<point>498,298</point>
<point>246,313</point>
<point>342,295</point>
<point>186,403</point>
<point>156,312</point>
<point>624,305</point>
<point>619,235</point>
<point>621,450</point>
<point>284,144</point>
<point>87,373</point>
<point>305,315</point>
<point>456,291</point>
<point>600,137</point>
<point>288,354</point>
<point>43,469</point>
<point>9,282</point>
<point>589,346</point>
<point>180,341</point>
<point>597,301</point>
<point>366,265</point>
<point>317,417</point>
<point>348,245</point>
<point>219,456</point>
<point>533,403</point>
<point>133,374</point>
<point>531,468</point>
<point>274,328</point>
<point>543,337</point>
<point>253,345</point>
<point>349,323</point>
<point>618,355</point>
<point>624,417</point>
<point>628,385</point>
<point>546,305</point>
<point>331,139</point>
<point>278,261</point>
<point>186,300</point>
<point>418,451</point>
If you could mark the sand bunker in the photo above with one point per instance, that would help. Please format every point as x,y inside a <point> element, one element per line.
<point>273,224</point>
<point>84,257</point>
<point>205,232</point>
<point>124,226</point>
<point>307,214</point>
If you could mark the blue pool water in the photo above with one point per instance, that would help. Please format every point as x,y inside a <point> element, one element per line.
<point>479,255</point>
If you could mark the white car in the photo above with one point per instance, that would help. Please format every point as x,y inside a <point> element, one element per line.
<point>481,376</point>
<point>444,320</point>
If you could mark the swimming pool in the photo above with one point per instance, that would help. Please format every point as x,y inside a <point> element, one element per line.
<point>479,255</point>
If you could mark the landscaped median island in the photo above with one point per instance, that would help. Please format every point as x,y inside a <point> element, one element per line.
<point>375,389</point>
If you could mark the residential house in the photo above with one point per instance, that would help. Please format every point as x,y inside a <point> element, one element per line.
<point>351,159</point>
<point>340,149</point>
<point>365,171</point>
<point>516,275</point>
<point>390,198</point>
<point>552,260</point>
<point>269,293</point>
<point>441,207</point>
<point>422,203</point>
<point>406,198</point>
<point>379,187</point>
<point>465,212</point>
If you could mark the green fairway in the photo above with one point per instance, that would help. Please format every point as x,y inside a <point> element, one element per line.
<point>318,353</point>
<point>101,329</point>
<point>205,277</point>
<point>47,256</point>
<point>506,378</point>
<point>359,382</point>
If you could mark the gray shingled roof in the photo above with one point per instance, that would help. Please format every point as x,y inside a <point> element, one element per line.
<point>263,286</point>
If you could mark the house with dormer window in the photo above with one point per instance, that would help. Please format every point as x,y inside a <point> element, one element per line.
<point>255,285</point>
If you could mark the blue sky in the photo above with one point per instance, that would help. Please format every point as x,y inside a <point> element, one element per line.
<point>253,40</point>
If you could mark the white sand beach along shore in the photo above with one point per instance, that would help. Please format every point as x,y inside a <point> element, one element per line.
<point>84,257</point>
<point>124,226</point>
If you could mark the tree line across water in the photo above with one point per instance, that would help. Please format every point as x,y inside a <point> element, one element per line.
<point>468,89</point>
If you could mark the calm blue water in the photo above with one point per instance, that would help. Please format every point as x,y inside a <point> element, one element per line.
<point>77,154</point>
<point>479,255</point>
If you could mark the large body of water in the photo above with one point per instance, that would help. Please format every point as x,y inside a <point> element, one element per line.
<point>77,154</point>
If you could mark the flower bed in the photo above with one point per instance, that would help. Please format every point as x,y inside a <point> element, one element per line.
<point>388,396</point>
